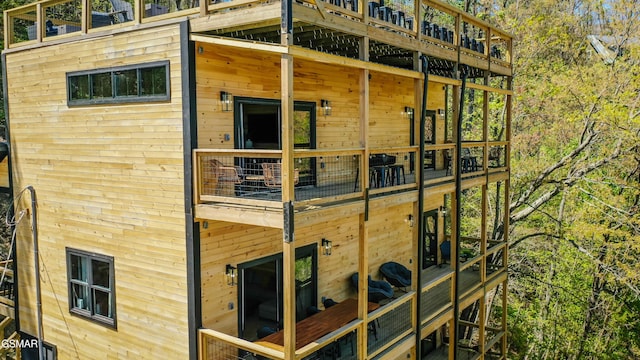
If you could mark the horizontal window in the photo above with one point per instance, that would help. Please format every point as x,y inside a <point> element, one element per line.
<point>136,83</point>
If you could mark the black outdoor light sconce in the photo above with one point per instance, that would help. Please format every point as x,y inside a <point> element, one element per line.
<point>408,112</point>
<point>409,220</point>
<point>226,100</point>
<point>232,274</point>
<point>326,247</point>
<point>326,107</point>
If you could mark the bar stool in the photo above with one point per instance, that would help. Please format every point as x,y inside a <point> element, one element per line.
<point>394,171</point>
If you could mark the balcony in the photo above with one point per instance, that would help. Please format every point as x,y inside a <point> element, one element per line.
<point>480,46</point>
<point>321,177</point>
<point>385,328</point>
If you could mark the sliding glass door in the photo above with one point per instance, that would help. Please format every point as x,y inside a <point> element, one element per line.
<point>258,125</point>
<point>260,304</point>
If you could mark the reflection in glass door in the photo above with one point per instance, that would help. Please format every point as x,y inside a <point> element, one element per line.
<point>304,137</point>
<point>430,246</point>
<point>430,138</point>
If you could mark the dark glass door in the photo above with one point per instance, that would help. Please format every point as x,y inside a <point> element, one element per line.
<point>260,303</point>
<point>258,125</point>
<point>430,138</point>
<point>430,232</point>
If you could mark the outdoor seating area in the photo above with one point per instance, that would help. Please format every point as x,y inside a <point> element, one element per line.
<point>396,274</point>
<point>378,290</point>
<point>258,175</point>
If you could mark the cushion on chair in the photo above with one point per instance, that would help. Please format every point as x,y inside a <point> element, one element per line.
<point>397,274</point>
<point>445,249</point>
<point>378,290</point>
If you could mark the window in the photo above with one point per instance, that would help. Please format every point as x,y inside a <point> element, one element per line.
<point>91,286</point>
<point>136,83</point>
<point>29,348</point>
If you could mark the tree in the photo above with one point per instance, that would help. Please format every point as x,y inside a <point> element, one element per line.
<point>575,164</point>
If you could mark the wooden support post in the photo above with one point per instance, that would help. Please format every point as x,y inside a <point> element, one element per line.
<point>363,287</point>
<point>39,22</point>
<point>288,244</point>
<point>363,238</point>
<point>138,11</point>
<point>84,16</point>
<point>204,7</point>
<point>8,30</point>
<point>482,323</point>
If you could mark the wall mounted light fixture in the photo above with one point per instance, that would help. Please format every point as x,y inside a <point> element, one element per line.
<point>408,112</point>
<point>226,101</point>
<point>232,273</point>
<point>326,107</point>
<point>442,211</point>
<point>326,247</point>
<point>409,220</point>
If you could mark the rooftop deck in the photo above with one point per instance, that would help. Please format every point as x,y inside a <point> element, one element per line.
<point>337,27</point>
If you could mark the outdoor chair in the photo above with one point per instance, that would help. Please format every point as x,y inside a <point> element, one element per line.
<point>122,11</point>
<point>469,162</point>
<point>272,173</point>
<point>378,290</point>
<point>396,274</point>
<point>216,175</point>
<point>445,251</point>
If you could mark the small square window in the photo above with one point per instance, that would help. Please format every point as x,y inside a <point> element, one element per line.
<point>126,82</point>
<point>101,85</point>
<point>79,87</point>
<point>154,81</point>
<point>91,286</point>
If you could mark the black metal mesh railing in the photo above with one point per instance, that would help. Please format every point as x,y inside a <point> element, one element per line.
<point>329,176</point>
<point>434,300</point>
<point>323,177</point>
<point>258,176</point>
<point>393,324</point>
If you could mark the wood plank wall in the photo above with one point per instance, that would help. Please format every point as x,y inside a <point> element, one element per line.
<point>227,243</point>
<point>110,180</point>
<point>254,74</point>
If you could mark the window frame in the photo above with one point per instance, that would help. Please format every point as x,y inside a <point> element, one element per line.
<point>115,98</point>
<point>90,312</point>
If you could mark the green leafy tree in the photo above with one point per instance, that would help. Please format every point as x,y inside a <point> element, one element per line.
<point>573,212</point>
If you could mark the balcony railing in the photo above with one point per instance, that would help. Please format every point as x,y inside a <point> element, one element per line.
<point>435,298</point>
<point>7,288</point>
<point>47,20</point>
<point>391,323</point>
<point>439,163</point>
<point>386,326</point>
<point>254,177</point>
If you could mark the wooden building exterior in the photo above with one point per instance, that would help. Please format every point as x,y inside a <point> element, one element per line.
<point>198,177</point>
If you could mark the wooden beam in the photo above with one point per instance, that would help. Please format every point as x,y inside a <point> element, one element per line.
<point>303,53</point>
<point>242,215</point>
<point>253,17</point>
<point>243,44</point>
<point>329,213</point>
